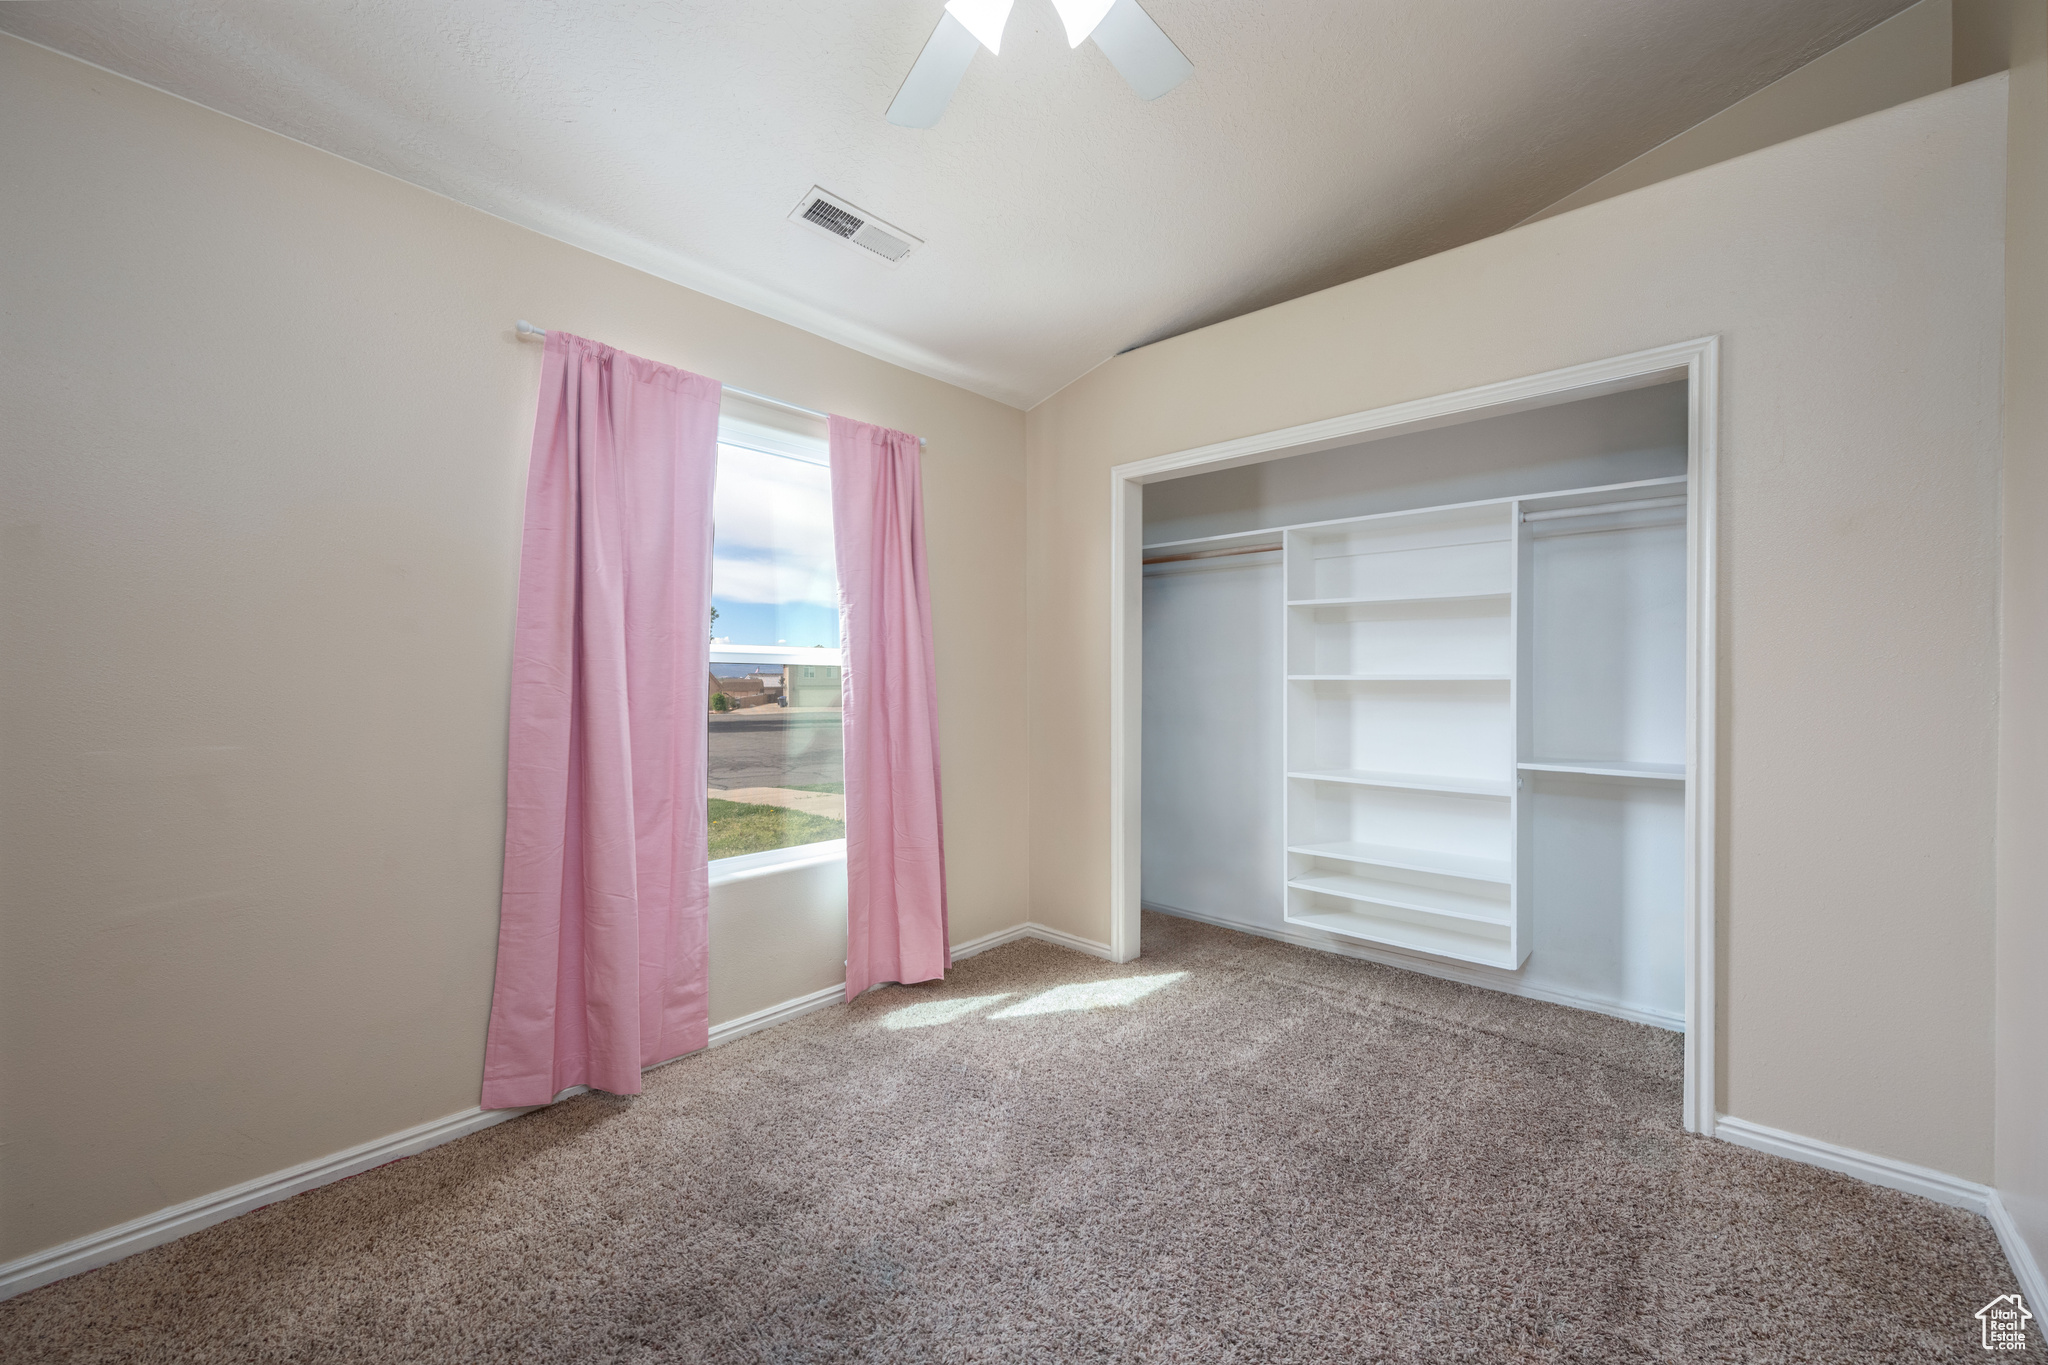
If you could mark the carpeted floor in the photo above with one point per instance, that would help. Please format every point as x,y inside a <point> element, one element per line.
<point>1230,1150</point>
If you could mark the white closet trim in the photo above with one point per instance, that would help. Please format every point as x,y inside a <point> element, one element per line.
<point>1696,362</point>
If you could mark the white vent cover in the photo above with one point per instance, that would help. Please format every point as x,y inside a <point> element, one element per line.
<point>822,212</point>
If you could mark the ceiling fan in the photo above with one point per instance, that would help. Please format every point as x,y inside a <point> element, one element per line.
<point>1139,50</point>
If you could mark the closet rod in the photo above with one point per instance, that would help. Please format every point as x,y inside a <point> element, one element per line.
<point>527,330</point>
<point>1213,554</point>
<point>1637,505</point>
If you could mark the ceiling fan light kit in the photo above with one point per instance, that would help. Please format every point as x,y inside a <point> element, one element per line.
<point>1136,46</point>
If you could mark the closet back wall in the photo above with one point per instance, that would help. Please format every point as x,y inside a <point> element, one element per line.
<point>266,437</point>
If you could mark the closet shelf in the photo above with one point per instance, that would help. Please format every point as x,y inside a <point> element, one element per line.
<point>1429,649</point>
<point>1419,782</point>
<point>1397,677</point>
<point>1503,595</point>
<point>1607,767</point>
<point>1412,860</point>
<point>1486,950</point>
<point>1428,900</point>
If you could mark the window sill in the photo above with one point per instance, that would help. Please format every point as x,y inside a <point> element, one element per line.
<point>748,866</point>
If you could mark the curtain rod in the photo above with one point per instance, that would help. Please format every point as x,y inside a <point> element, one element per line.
<point>527,330</point>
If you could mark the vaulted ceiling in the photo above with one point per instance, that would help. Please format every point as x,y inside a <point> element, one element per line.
<point>1063,219</point>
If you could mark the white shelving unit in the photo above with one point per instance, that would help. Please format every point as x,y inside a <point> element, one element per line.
<point>1444,666</point>
<point>1649,772</point>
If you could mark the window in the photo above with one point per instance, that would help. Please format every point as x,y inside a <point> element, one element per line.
<point>776,780</point>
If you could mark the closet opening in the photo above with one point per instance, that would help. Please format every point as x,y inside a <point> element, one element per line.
<point>1426,686</point>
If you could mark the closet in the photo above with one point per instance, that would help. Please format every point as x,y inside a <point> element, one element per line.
<point>1475,751</point>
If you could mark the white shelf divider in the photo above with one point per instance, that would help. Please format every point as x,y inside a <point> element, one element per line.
<point>1486,950</point>
<point>1415,782</point>
<point>1397,677</point>
<point>1608,767</point>
<point>1428,900</point>
<point>1395,600</point>
<point>1411,860</point>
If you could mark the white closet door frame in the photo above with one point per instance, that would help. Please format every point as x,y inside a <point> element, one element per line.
<point>1696,362</point>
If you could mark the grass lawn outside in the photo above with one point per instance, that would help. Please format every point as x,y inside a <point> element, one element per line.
<point>737,827</point>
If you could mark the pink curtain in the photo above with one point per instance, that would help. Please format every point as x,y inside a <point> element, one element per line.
<point>601,937</point>
<point>895,848</point>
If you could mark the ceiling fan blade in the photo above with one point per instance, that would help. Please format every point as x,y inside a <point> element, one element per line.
<point>931,82</point>
<point>985,19</point>
<point>1140,50</point>
<point>1080,17</point>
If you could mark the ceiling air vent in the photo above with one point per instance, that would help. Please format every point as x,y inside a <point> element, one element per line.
<point>825,213</point>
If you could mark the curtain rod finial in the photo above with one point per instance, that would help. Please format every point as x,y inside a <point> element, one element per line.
<point>527,329</point>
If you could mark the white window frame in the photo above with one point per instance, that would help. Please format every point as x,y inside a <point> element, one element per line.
<point>752,425</point>
<point>772,654</point>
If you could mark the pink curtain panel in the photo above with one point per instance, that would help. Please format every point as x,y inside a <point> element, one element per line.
<point>601,938</point>
<point>895,846</point>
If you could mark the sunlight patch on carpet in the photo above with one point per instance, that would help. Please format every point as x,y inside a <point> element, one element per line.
<point>939,1011</point>
<point>1090,995</point>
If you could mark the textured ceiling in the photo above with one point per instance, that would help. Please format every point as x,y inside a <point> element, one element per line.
<point>1064,219</point>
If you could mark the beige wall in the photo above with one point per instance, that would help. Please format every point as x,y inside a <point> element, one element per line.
<point>1854,277</point>
<point>1904,58</point>
<point>1981,37</point>
<point>2023,729</point>
<point>265,439</point>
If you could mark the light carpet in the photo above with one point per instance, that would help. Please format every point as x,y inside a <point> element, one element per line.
<point>1229,1150</point>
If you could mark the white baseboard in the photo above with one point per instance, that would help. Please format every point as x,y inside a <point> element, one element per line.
<point>2025,1268</point>
<point>1876,1170</point>
<point>1939,1186</point>
<point>1048,934</point>
<point>988,941</point>
<point>776,1014</point>
<point>1043,932</point>
<point>167,1225</point>
<point>1485,978</point>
